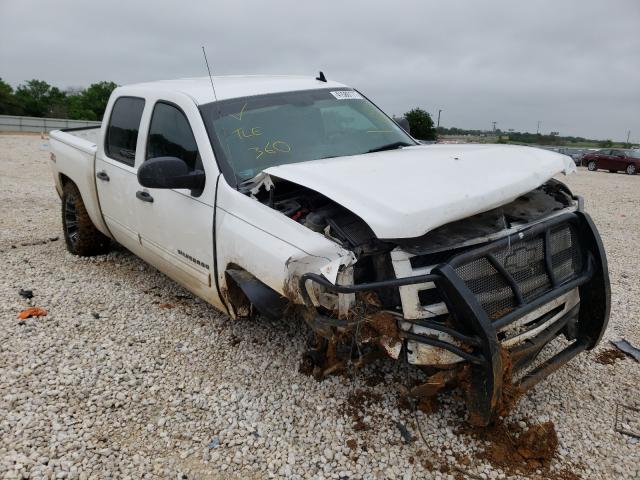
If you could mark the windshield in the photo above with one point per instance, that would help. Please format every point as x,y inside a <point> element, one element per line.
<point>258,132</point>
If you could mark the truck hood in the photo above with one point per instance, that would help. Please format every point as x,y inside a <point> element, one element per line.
<point>408,192</point>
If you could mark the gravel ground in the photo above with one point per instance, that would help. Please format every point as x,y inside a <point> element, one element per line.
<point>130,376</point>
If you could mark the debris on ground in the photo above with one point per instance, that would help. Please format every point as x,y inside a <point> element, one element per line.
<point>627,348</point>
<point>214,443</point>
<point>37,242</point>
<point>628,420</point>
<point>166,306</point>
<point>357,407</point>
<point>610,356</point>
<point>517,449</point>
<point>32,312</point>
<point>404,432</point>
<point>25,293</point>
<point>539,442</point>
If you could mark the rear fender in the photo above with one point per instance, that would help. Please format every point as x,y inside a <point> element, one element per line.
<point>71,163</point>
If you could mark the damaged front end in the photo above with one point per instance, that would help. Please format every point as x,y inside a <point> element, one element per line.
<point>475,300</point>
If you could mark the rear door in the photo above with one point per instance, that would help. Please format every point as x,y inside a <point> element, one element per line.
<point>603,159</point>
<point>618,160</point>
<point>116,170</point>
<point>176,225</point>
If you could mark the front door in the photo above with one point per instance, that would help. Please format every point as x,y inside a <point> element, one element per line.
<point>116,169</point>
<point>176,225</point>
<point>618,160</point>
<point>604,160</point>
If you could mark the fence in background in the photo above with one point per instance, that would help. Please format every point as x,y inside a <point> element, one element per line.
<point>10,123</point>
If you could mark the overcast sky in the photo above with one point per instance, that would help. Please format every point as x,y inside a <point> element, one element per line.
<point>572,64</point>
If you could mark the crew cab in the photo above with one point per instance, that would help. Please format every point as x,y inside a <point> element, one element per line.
<point>299,197</point>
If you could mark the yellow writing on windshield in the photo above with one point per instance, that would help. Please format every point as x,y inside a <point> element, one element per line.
<point>238,116</point>
<point>271,148</point>
<point>248,133</point>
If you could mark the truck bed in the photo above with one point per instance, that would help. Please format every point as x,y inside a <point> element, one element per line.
<point>73,159</point>
<point>83,138</point>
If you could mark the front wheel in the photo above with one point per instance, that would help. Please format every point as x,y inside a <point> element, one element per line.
<point>592,166</point>
<point>80,235</point>
<point>631,169</point>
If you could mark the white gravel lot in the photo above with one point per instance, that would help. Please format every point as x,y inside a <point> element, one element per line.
<point>130,376</point>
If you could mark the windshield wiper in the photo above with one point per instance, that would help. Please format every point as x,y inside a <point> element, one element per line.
<point>389,146</point>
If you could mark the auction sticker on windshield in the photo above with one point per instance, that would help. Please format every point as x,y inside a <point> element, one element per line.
<point>346,95</point>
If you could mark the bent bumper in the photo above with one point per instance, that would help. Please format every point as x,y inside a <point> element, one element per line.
<point>529,270</point>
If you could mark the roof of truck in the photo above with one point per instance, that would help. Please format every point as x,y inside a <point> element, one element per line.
<point>232,86</point>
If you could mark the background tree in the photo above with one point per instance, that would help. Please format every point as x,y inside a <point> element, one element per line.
<point>95,97</point>
<point>76,109</point>
<point>9,104</point>
<point>421,124</point>
<point>39,99</point>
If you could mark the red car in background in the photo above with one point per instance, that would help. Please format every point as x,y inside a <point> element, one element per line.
<point>614,160</point>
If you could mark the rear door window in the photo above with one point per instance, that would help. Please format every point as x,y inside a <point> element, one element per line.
<point>170,135</point>
<point>122,132</point>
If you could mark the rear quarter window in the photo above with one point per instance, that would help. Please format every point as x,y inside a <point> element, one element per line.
<point>122,131</point>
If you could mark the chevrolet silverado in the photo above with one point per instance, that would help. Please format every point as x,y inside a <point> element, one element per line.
<point>298,197</point>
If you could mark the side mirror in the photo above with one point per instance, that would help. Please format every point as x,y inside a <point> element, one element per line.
<point>404,124</point>
<point>170,172</point>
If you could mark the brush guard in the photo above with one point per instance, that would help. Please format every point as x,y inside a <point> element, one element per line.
<point>529,269</point>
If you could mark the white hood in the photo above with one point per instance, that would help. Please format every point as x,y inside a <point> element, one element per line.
<point>408,192</point>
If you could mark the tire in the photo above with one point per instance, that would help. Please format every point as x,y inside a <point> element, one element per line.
<point>631,169</point>
<point>592,166</point>
<point>80,235</point>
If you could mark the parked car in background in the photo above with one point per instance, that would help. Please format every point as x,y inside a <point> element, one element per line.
<point>614,160</point>
<point>575,153</point>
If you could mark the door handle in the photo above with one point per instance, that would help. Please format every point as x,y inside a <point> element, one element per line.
<point>102,175</point>
<point>144,196</point>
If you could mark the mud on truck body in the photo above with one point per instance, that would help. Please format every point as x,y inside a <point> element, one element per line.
<point>298,197</point>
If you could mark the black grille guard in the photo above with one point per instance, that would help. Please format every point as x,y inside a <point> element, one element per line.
<point>479,333</point>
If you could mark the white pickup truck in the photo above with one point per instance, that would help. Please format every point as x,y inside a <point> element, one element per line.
<point>297,196</point>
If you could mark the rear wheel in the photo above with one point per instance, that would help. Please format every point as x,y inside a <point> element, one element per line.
<point>592,166</point>
<point>631,169</point>
<point>80,235</point>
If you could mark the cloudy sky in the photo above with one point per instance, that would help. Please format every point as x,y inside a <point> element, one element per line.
<point>572,64</point>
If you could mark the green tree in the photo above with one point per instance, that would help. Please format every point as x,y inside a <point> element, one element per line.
<point>57,103</point>
<point>39,99</point>
<point>605,143</point>
<point>95,98</point>
<point>421,124</point>
<point>76,109</point>
<point>9,104</point>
